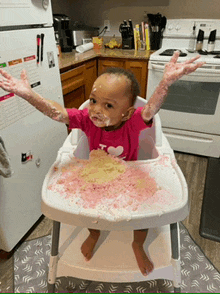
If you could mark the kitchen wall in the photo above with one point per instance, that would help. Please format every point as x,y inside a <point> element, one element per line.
<point>62,6</point>
<point>95,12</point>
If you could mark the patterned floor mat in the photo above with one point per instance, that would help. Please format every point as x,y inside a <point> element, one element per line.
<point>31,267</point>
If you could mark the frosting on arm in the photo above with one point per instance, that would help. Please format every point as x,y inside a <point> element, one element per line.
<point>48,107</point>
<point>155,102</point>
<point>23,89</point>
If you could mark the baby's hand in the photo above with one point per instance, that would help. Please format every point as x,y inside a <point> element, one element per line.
<point>10,84</point>
<point>174,71</point>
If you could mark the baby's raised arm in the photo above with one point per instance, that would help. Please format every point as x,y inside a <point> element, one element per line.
<point>173,71</point>
<point>23,89</point>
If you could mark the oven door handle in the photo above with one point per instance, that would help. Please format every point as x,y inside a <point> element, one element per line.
<point>208,70</point>
<point>158,66</point>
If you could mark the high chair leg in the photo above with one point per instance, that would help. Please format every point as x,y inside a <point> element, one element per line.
<point>53,257</point>
<point>175,247</point>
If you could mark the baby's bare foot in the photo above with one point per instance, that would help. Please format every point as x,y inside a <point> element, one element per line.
<point>89,244</point>
<point>144,263</point>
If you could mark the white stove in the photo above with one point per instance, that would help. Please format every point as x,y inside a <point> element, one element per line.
<point>191,113</point>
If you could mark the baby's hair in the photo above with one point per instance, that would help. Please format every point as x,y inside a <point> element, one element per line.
<point>134,86</point>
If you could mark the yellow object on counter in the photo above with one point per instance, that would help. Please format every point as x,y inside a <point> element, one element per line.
<point>147,36</point>
<point>98,42</point>
<point>137,37</point>
<point>113,44</point>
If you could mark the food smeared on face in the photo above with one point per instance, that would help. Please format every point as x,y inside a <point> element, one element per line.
<point>109,100</point>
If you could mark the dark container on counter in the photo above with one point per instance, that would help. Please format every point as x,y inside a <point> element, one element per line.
<point>127,34</point>
<point>157,24</point>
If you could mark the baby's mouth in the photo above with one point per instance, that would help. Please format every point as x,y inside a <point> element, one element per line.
<point>96,118</point>
<point>100,120</point>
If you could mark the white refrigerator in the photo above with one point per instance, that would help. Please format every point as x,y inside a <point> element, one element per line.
<point>31,139</point>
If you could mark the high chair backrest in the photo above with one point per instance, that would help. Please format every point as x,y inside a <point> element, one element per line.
<point>149,139</point>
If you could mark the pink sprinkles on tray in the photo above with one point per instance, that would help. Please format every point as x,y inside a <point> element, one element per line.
<point>130,189</point>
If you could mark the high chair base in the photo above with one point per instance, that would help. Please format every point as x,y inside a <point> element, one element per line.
<point>113,259</point>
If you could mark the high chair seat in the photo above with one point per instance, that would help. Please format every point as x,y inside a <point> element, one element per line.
<point>113,259</point>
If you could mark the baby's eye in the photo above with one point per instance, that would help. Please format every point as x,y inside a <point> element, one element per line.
<point>92,100</point>
<point>108,105</point>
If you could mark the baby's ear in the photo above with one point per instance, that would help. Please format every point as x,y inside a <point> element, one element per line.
<point>128,113</point>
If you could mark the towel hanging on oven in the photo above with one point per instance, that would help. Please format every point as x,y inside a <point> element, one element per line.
<point>5,166</point>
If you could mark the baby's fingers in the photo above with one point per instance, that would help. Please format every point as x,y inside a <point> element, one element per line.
<point>200,64</point>
<point>23,74</point>
<point>192,59</point>
<point>5,85</point>
<point>192,67</point>
<point>175,56</point>
<point>5,74</point>
<point>197,65</point>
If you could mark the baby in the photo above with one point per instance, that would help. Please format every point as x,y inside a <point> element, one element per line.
<point>111,123</point>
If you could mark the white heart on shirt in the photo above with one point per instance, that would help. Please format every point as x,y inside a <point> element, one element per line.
<point>115,151</point>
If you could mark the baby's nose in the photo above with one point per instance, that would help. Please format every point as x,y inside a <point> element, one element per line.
<point>98,108</point>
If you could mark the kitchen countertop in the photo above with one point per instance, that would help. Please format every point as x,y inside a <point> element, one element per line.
<point>71,59</point>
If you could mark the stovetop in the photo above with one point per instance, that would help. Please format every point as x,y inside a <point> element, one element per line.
<point>164,55</point>
<point>169,52</point>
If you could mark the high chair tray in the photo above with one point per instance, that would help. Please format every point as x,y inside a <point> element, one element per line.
<point>170,206</point>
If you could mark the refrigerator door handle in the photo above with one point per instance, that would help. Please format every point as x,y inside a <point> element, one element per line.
<point>38,48</point>
<point>42,47</point>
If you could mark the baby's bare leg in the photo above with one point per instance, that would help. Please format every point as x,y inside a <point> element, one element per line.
<point>143,261</point>
<point>89,244</point>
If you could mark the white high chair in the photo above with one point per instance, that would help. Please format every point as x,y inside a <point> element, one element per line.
<point>113,259</point>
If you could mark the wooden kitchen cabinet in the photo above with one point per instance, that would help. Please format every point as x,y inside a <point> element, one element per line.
<point>75,98</point>
<point>90,76</point>
<point>73,85</point>
<point>77,83</point>
<point>138,67</point>
<point>104,63</point>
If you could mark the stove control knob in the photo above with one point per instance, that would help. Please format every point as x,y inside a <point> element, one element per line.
<point>170,27</point>
<point>178,27</point>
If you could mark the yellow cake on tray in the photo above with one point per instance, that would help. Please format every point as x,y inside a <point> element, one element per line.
<point>102,168</point>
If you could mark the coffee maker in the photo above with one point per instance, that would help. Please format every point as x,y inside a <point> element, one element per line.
<point>127,34</point>
<point>63,34</point>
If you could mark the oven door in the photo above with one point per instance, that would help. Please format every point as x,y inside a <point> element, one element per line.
<point>193,102</point>
<point>190,115</point>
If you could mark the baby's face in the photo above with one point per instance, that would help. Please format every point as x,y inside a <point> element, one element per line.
<point>109,101</point>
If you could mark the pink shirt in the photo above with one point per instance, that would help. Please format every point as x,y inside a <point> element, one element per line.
<point>122,142</point>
